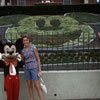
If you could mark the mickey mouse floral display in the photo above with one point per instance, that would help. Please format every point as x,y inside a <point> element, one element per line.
<point>10,60</point>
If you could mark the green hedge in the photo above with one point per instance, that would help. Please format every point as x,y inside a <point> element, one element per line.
<point>70,57</point>
<point>49,9</point>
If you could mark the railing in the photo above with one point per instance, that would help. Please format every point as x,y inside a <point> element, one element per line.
<point>83,56</point>
<point>58,52</point>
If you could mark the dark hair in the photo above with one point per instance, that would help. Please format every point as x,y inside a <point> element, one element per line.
<point>26,36</point>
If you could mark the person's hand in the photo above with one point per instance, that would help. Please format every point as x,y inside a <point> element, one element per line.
<point>40,74</point>
<point>19,58</point>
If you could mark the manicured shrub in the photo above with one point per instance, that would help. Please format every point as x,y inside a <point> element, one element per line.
<point>40,23</point>
<point>55,22</point>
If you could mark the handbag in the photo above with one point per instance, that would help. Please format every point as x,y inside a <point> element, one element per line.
<point>42,85</point>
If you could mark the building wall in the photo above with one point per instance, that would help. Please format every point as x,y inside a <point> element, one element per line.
<point>58,1</point>
<point>77,1</point>
<point>66,1</point>
<point>30,2</point>
<point>14,2</point>
<point>92,1</point>
<point>62,85</point>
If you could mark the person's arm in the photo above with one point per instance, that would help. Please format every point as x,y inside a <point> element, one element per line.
<point>38,61</point>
